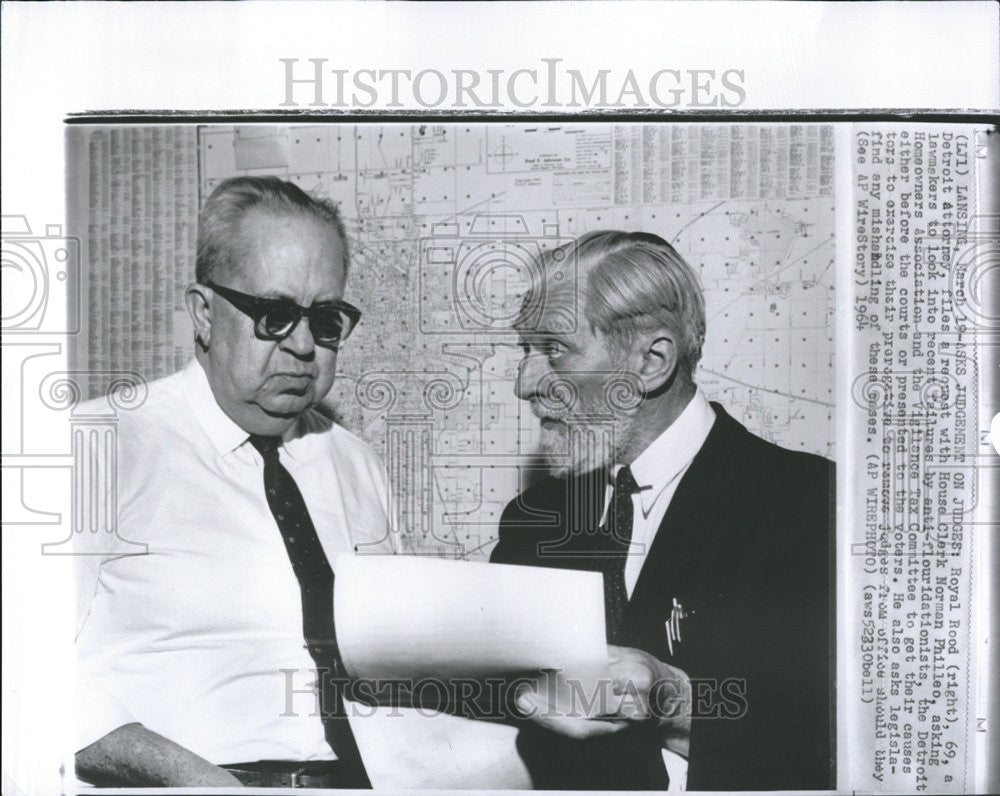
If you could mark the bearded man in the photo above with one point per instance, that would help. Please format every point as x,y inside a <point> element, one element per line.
<point>715,546</point>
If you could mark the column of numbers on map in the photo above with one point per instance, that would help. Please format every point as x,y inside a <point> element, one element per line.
<point>445,221</point>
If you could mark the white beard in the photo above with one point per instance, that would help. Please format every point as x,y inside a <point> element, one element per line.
<point>579,444</point>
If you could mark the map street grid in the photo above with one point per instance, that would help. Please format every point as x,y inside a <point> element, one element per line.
<point>444,222</point>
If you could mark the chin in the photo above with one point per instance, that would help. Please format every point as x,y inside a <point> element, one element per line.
<point>256,421</point>
<point>572,449</point>
<point>273,419</point>
<point>563,458</point>
<point>286,406</point>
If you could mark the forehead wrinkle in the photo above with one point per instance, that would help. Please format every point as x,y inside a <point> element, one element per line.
<point>300,248</point>
<point>559,318</point>
<point>556,306</point>
<point>278,295</point>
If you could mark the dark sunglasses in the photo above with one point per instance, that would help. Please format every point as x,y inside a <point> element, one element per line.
<point>331,322</point>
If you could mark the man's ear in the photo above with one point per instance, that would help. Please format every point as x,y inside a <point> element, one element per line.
<point>199,307</point>
<point>655,354</point>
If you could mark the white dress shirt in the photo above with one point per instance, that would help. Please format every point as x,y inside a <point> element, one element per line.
<point>200,639</point>
<point>658,470</point>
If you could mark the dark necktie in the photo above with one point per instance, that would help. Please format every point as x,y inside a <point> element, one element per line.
<point>617,538</point>
<point>316,585</point>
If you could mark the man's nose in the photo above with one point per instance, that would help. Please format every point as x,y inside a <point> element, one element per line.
<point>529,374</point>
<point>300,342</point>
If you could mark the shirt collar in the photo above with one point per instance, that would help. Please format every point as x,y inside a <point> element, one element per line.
<point>671,452</point>
<point>219,427</point>
<point>225,434</point>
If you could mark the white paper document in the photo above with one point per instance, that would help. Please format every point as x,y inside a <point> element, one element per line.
<point>436,623</point>
<point>409,618</point>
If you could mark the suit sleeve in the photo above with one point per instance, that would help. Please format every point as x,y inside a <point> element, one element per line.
<point>520,533</point>
<point>506,549</point>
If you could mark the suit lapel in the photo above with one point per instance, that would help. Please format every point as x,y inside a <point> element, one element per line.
<point>691,529</point>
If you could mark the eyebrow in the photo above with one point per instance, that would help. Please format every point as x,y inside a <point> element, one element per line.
<point>276,296</point>
<point>272,295</point>
<point>534,337</point>
<point>554,331</point>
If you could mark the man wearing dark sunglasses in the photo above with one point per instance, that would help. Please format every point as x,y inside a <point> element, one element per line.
<point>269,316</point>
<point>204,662</point>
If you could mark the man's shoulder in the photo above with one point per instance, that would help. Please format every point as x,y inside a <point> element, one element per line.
<point>537,514</point>
<point>776,457</point>
<point>776,498</point>
<point>135,404</point>
<point>320,425</point>
<point>755,456</point>
<point>541,495</point>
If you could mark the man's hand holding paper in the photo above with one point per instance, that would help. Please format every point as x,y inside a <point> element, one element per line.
<point>645,693</point>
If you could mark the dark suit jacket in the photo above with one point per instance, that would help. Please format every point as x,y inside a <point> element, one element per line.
<point>746,547</point>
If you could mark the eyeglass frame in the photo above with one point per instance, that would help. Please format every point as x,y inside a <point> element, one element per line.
<point>256,307</point>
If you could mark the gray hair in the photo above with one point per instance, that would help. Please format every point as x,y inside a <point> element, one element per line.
<point>219,246</point>
<point>636,281</point>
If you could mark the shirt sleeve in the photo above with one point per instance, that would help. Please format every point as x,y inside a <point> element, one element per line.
<point>99,709</point>
<point>677,770</point>
<point>98,712</point>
